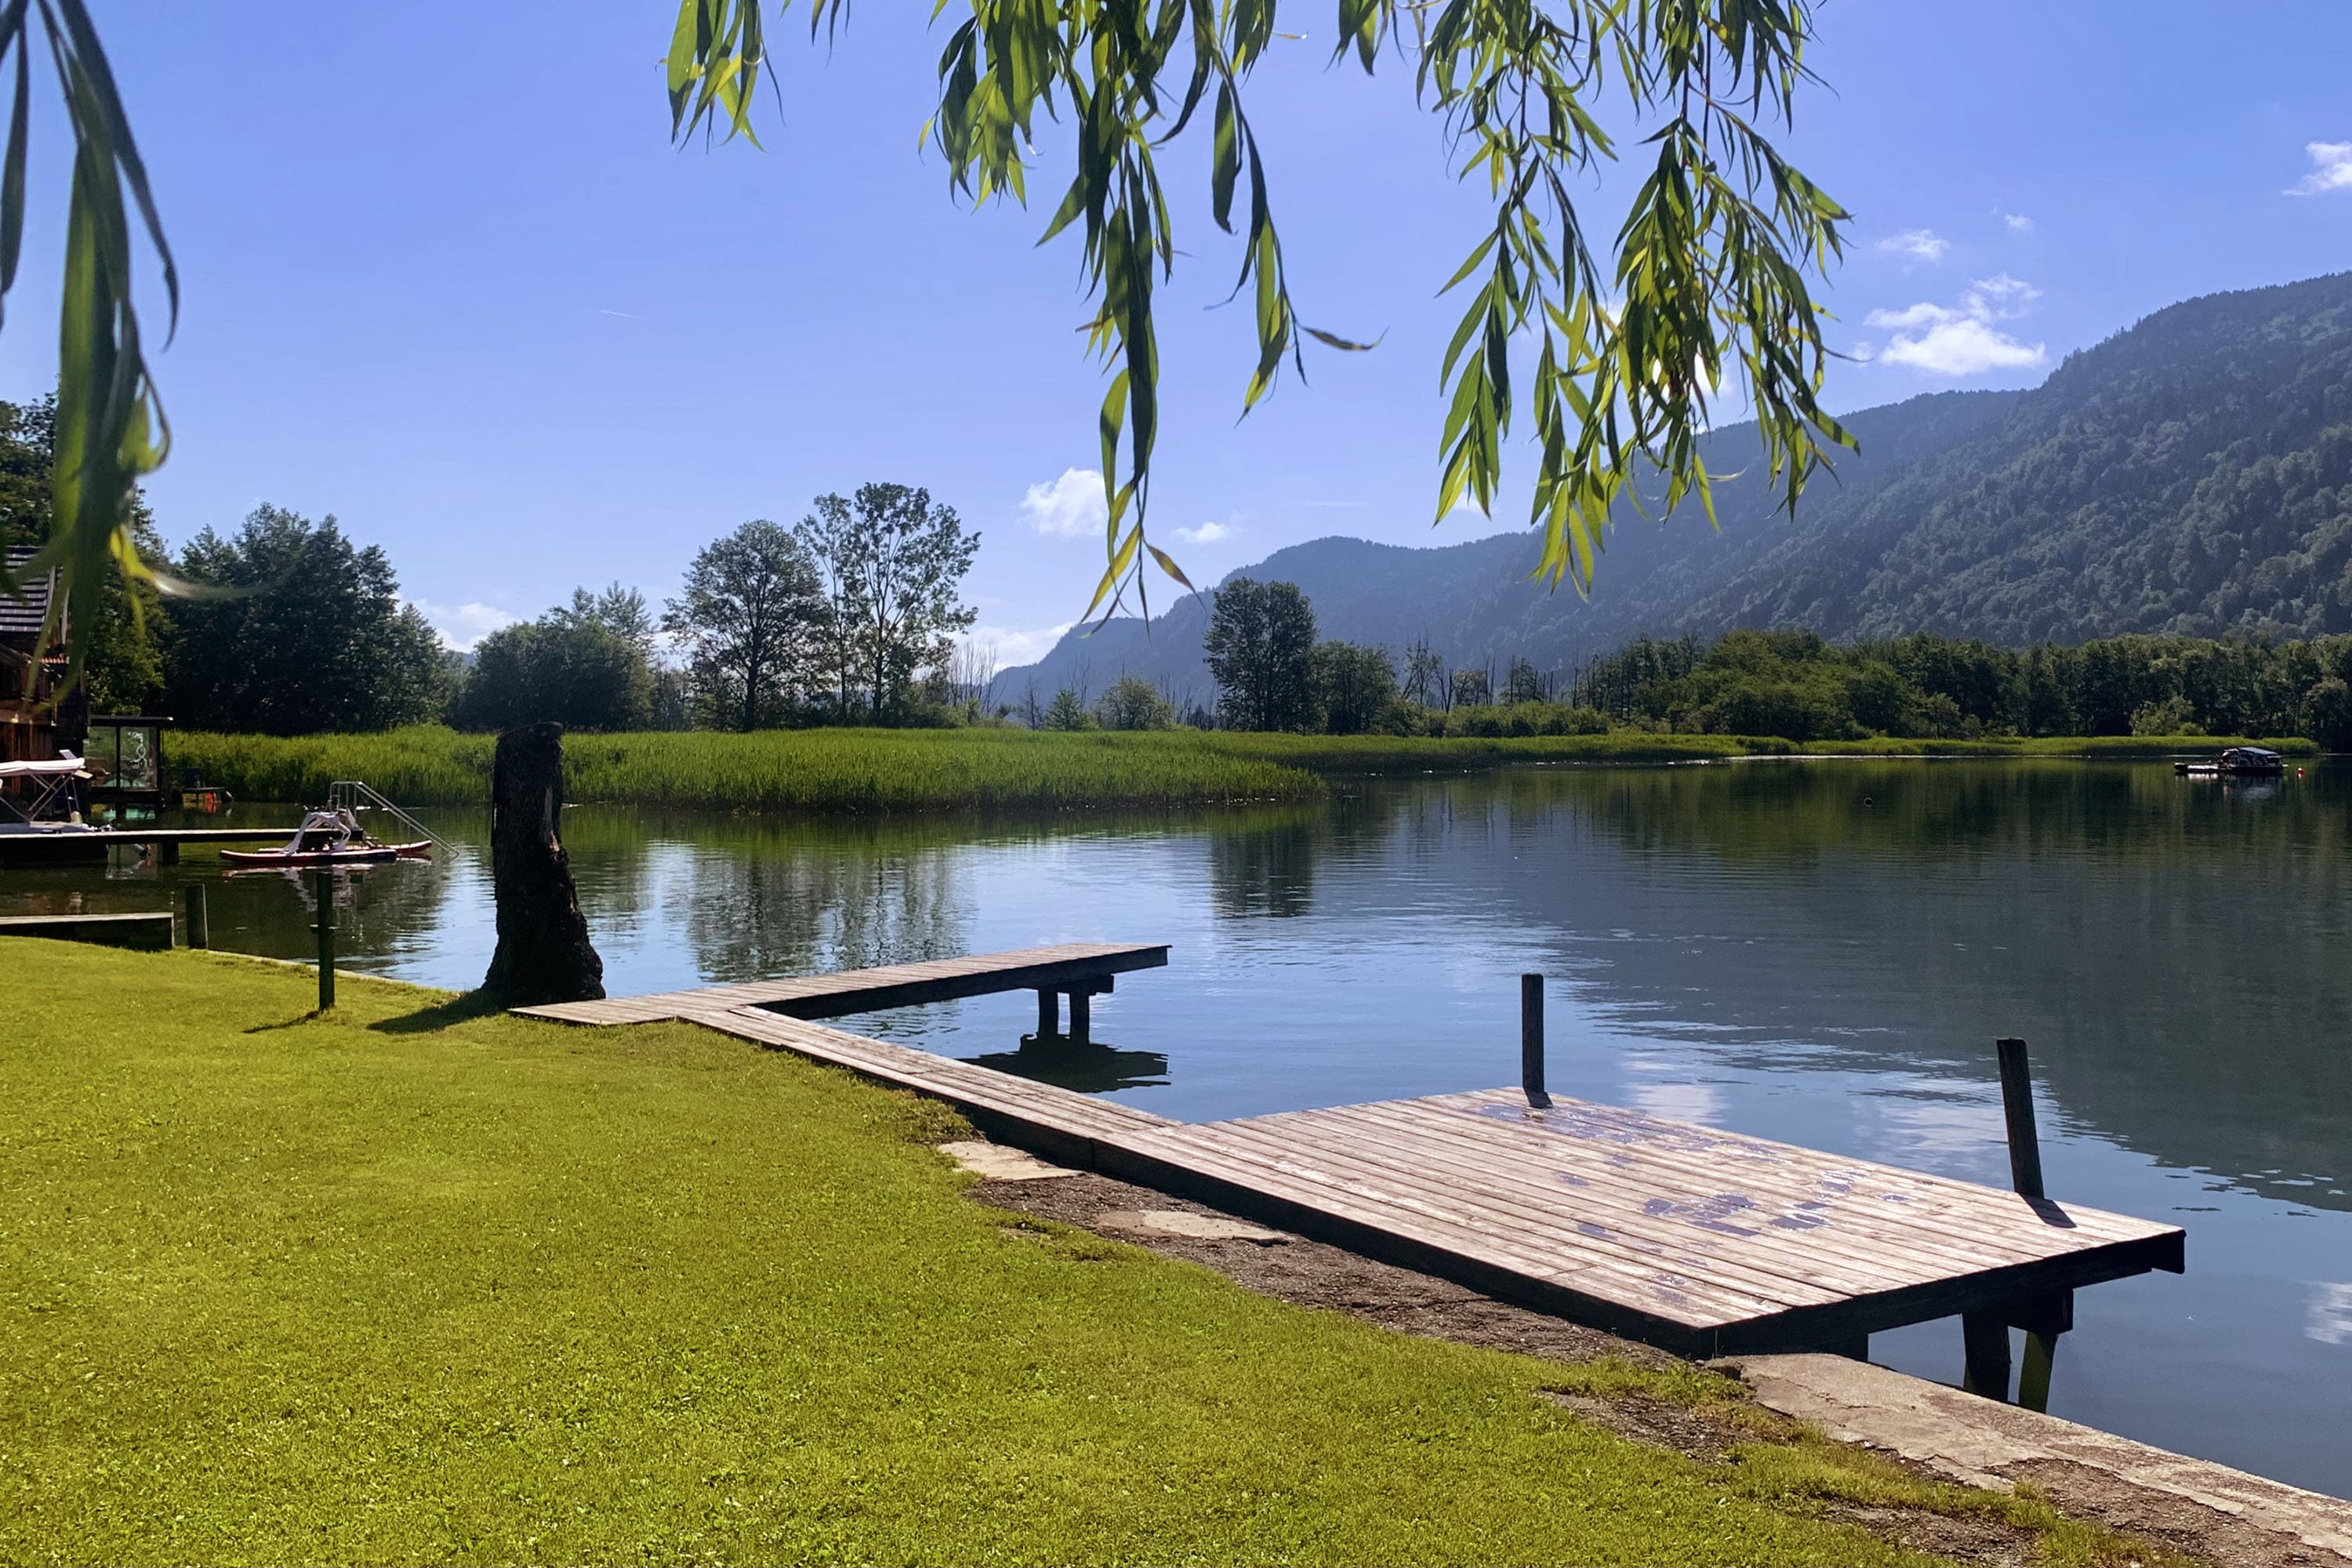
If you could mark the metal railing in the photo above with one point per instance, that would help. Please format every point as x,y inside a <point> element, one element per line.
<point>354,795</point>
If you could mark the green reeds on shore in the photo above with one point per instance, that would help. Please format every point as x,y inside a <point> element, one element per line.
<point>885,771</point>
<point>834,770</point>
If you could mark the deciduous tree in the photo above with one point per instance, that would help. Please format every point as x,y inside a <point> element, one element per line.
<point>892,564</point>
<point>1259,637</point>
<point>747,623</point>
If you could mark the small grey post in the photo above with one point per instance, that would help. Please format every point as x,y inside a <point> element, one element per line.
<point>322,880</point>
<point>200,927</point>
<point>1081,1018</point>
<point>1531,1041</point>
<point>1049,1013</point>
<point>2017,1105</point>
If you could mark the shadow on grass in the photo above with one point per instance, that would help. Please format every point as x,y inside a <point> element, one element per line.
<point>441,1015</point>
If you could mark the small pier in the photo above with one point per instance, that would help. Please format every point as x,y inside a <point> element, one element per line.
<point>82,848</point>
<point>1694,1239</point>
<point>1078,970</point>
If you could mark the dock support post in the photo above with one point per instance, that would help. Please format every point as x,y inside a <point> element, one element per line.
<point>1081,1018</point>
<point>1985,1337</point>
<point>320,880</point>
<point>1531,1041</point>
<point>1049,1014</point>
<point>2034,1376</point>
<point>200,925</point>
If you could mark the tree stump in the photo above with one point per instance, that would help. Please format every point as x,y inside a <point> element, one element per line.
<point>544,954</point>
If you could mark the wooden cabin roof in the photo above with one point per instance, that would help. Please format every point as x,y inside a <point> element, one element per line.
<point>24,617</point>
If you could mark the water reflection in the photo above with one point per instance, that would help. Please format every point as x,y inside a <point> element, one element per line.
<point>1092,1067</point>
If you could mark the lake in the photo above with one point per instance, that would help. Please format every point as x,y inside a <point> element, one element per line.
<point>1817,952</point>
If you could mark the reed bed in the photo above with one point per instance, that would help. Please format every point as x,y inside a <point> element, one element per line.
<point>876,771</point>
<point>832,771</point>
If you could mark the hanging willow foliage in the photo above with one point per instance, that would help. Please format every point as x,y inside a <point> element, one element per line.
<point>110,426</point>
<point>1703,281</point>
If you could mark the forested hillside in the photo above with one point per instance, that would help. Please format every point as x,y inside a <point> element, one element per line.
<point>2187,476</point>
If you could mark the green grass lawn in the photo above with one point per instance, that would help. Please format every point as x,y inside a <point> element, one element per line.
<point>863,771</point>
<point>388,1285</point>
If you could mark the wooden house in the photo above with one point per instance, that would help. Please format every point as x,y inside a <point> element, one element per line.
<point>37,718</point>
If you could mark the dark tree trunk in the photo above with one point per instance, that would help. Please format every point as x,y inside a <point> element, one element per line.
<point>544,954</point>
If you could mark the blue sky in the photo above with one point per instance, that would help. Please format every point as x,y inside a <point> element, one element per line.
<point>446,278</point>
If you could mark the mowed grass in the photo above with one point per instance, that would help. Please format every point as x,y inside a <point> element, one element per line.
<point>874,772</point>
<point>396,1285</point>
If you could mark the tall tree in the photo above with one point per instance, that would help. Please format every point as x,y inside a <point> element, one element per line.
<point>314,637</point>
<point>584,665</point>
<point>1257,646</point>
<point>747,623</point>
<point>1354,686</point>
<point>893,564</point>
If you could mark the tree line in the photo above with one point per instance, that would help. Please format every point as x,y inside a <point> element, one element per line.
<point>1273,673</point>
<point>1796,684</point>
<point>286,626</point>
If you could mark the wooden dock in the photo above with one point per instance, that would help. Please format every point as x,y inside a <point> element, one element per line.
<point>1076,968</point>
<point>148,932</point>
<point>1694,1239</point>
<point>74,849</point>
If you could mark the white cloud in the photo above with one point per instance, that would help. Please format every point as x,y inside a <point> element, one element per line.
<point>1944,339</point>
<point>1919,244</point>
<point>1207,533</point>
<point>463,625</point>
<point>2017,223</point>
<point>1014,649</point>
<point>2331,169</point>
<point>1071,506</point>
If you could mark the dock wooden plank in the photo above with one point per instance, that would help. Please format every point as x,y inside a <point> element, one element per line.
<point>1061,966</point>
<point>1699,1239</point>
<point>1616,1209</point>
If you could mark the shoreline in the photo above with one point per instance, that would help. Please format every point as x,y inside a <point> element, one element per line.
<point>911,772</point>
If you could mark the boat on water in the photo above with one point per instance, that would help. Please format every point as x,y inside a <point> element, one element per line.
<point>2238,761</point>
<point>331,838</point>
<point>38,796</point>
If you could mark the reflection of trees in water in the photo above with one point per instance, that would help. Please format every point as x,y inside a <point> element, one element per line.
<point>378,909</point>
<point>780,909</point>
<point>1263,864</point>
<point>2173,951</point>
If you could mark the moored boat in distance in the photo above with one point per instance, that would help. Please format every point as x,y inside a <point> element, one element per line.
<point>2238,761</point>
<point>331,838</point>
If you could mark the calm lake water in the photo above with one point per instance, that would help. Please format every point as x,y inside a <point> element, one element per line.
<point>1821,953</point>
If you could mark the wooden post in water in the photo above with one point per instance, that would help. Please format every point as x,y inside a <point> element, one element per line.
<point>200,925</point>
<point>1531,1041</point>
<point>2025,1175</point>
<point>1081,1018</point>
<point>1985,1335</point>
<point>322,879</point>
<point>1049,1014</point>
<point>2017,1106</point>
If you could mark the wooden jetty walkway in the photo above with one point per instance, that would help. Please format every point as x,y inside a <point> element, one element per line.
<point>1688,1237</point>
<point>74,849</point>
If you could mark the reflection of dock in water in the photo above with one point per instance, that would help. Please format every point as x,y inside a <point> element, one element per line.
<point>1083,1068</point>
<point>1697,1240</point>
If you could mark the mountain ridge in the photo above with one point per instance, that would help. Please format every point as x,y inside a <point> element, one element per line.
<point>2191,473</point>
